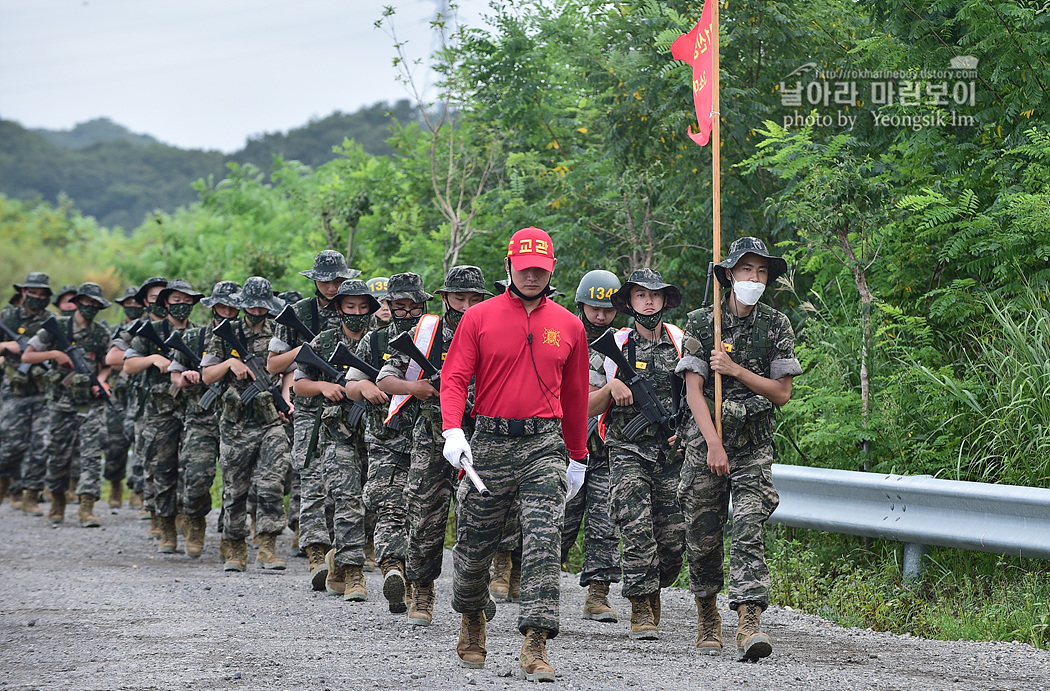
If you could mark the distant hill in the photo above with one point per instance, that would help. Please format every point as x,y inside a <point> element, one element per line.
<point>120,177</point>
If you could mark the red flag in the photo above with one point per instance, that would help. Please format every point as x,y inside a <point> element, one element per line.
<point>696,49</point>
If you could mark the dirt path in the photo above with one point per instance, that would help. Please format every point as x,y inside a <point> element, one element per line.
<point>99,609</point>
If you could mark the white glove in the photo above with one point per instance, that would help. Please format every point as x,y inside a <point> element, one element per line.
<point>574,476</point>
<point>456,447</point>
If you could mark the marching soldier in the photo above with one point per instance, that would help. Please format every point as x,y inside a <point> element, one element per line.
<point>118,432</point>
<point>757,362</point>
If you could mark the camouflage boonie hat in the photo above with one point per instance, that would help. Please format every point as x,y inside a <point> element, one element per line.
<point>777,266</point>
<point>36,279</point>
<point>407,285</point>
<point>290,297</point>
<point>149,283</point>
<point>357,287</point>
<point>181,285</point>
<point>223,294</point>
<point>129,294</point>
<point>64,290</point>
<point>93,291</point>
<point>650,279</point>
<point>464,279</point>
<point>328,266</point>
<point>258,292</point>
<point>378,286</point>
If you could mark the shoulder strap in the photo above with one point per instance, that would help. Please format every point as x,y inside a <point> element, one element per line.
<point>760,334</point>
<point>315,316</point>
<point>373,347</point>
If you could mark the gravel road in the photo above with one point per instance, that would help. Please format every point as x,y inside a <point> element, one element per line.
<point>99,609</point>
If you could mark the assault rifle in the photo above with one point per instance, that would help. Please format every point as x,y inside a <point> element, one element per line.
<point>79,358</point>
<point>651,410</point>
<point>175,342</point>
<point>262,378</point>
<point>147,332</point>
<point>707,286</point>
<point>404,344</point>
<point>288,318</point>
<point>308,356</point>
<point>22,340</point>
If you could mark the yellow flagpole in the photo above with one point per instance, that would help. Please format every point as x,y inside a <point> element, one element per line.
<point>716,209</point>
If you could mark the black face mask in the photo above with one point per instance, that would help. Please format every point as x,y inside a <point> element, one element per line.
<point>405,323</point>
<point>133,313</point>
<point>158,310</point>
<point>217,318</point>
<point>254,320</point>
<point>649,321</point>
<point>36,304</point>
<point>590,328</point>
<point>88,312</point>
<point>181,311</point>
<point>452,315</point>
<point>68,313</point>
<point>356,322</point>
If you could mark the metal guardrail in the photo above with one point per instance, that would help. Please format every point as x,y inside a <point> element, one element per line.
<point>916,510</point>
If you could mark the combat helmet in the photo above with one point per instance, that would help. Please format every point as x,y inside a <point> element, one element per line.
<point>378,285</point>
<point>596,288</point>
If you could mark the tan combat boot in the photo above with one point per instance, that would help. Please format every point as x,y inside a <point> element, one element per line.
<point>135,500</point>
<point>5,484</point>
<point>597,605</point>
<point>514,595</point>
<point>708,626</point>
<point>533,657</point>
<point>318,569</point>
<point>58,508</point>
<point>31,502</point>
<point>421,605</point>
<point>751,643</point>
<point>471,645</point>
<point>195,529</point>
<point>499,584</point>
<point>236,555</point>
<point>643,625</point>
<point>86,512</point>
<point>71,496</point>
<point>654,602</point>
<point>116,494</point>
<point>17,499</point>
<point>356,590</point>
<point>394,584</point>
<point>169,537</point>
<point>155,530</point>
<point>180,524</point>
<point>335,581</point>
<point>266,557</point>
<point>370,555</point>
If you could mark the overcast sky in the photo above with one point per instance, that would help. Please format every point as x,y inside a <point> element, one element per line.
<point>203,73</point>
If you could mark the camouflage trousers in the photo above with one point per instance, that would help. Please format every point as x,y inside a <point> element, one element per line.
<point>249,451</point>
<point>343,461</point>
<point>511,541</point>
<point>161,435</point>
<point>645,507</point>
<point>601,555</point>
<point>117,444</point>
<point>23,439</point>
<point>197,458</point>
<point>65,429</point>
<point>314,524</point>
<point>531,468</point>
<point>384,497</point>
<point>291,483</point>
<point>428,491</point>
<point>705,499</point>
<point>138,465</point>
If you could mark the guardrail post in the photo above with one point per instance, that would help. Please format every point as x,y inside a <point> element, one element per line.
<point>914,557</point>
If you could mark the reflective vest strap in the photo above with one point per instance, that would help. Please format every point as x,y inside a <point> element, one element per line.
<point>426,334</point>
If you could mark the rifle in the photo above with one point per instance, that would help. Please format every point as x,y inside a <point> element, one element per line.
<point>176,343</point>
<point>147,332</point>
<point>707,286</point>
<point>76,354</point>
<point>308,356</point>
<point>22,340</point>
<point>261,382</point>
<point>404,344</point>
<point>651,410</point>
<point>288,318</point>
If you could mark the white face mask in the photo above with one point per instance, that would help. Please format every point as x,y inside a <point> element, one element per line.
<point>748,292</point>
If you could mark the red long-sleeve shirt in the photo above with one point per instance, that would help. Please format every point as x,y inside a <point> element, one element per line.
<point>514,378</point>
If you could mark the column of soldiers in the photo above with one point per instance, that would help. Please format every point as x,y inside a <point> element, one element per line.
<point>337,401</point>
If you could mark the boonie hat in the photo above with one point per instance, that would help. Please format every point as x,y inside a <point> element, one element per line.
<point>464,279</point>
<point>129,294</point>
<point>407,285</point>
<point>36,279</point>
<point>93,291</point>
<point>223,294</point>
<point>777,266</point>
<point>63,291</point>
<point>650,279</point>
<point>328,266</point>
<point>258,292</point>
<point>150,282</point>
<point>357,287</point>
<point>181,285</point>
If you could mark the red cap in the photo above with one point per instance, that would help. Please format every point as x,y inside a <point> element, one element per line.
<point>531,248</point>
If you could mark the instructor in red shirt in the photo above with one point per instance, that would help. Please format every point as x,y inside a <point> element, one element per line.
<point>528,356</point>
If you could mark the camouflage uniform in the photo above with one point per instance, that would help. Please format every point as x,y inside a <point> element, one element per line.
<point>23,412</point>
<point>68,393</point>
<point>343,457</point>
<point>251,439</point>
<point>161,424</point>
<point>764,343</point>
<point>118,433</point>
<point>388,457</point>
<point>531,467</point>
<point>601,555</point>
<point>134,399</point>
<point>644,477</point>
<point>312,517</point>
<point>136,411</point>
